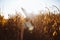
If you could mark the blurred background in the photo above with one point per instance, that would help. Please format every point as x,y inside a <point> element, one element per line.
<point>29,19</point>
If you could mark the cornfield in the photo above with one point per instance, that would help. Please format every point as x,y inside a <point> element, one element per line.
<point>45,27</point>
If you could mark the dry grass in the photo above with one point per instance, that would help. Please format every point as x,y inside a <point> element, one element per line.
<point>46,27</point>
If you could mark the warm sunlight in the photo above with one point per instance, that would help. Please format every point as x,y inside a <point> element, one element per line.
<point>10,6</point>
<point>29,19</point>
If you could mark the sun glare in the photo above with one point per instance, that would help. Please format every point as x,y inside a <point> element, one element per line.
<point>9,6</point>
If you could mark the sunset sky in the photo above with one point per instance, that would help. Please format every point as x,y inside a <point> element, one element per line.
<point>10,6</point>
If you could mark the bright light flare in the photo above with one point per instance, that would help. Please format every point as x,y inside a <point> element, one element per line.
<point>9,6</point>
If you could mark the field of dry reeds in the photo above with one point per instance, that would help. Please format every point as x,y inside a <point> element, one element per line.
<point>45,27</point>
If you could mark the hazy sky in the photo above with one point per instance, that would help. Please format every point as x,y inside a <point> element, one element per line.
<point>10,6</point>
